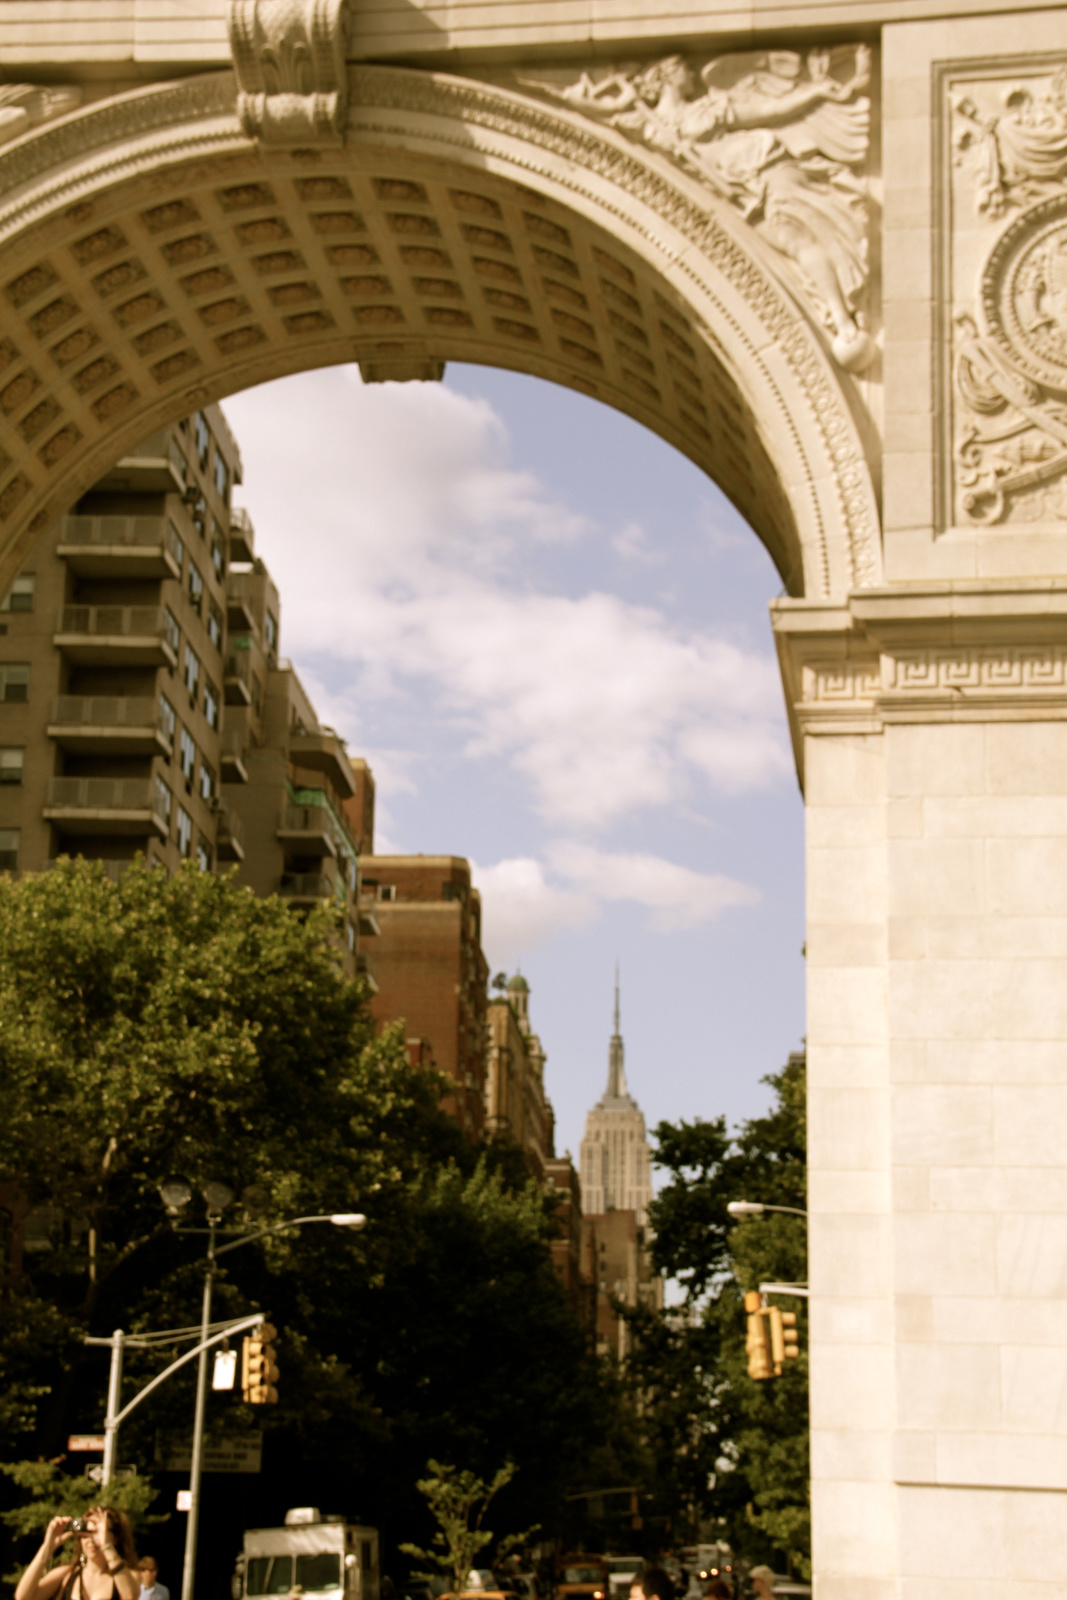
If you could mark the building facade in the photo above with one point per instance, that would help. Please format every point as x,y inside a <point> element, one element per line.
<point>112,652</point>
<point>430,970</point>
<point>615,1163</point>
<point>516,1106</point>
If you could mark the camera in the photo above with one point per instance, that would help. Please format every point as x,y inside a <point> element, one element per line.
<point>77,1525</point>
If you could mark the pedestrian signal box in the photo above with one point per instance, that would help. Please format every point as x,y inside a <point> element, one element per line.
<point>259,1368</point>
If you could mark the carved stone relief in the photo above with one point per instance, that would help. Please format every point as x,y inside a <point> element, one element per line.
<point>780,136</point>
<point>26,105</point>
<point>289,57</point>
<point>1009,299</point>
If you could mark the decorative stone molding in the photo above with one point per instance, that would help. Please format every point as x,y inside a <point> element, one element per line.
<point>24,106</point>
<point>1009,369</point>
<point>782,137</point>
<point>289,57</point>
<point>586,151</point>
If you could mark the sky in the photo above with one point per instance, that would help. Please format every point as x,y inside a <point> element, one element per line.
<point>547,632</point>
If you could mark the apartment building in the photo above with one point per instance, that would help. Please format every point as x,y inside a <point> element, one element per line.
<point>287,780</point>
<point>430,969</point>
<point>111,663</point>
<point>516,1106</point>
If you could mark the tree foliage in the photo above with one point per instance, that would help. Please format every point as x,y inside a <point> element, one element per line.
<point>459,1500</point>
<point>160,1026</point>
<point>726,1446</point>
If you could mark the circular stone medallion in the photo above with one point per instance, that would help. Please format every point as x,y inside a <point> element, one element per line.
<point>1024,293</point>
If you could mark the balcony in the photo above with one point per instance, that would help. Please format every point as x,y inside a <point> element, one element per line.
<point>307,888</point>
<point>232,757</point>
<point>230,837</point>
<point>155,466</point>
<point>241,602</point>
<point>124,636</point>
<point>369,927</point>
<point>121,547</point>
<point>308,829</point>
<point>242,536</point>
<point>106,805</point>
<point>323,751</point>
<point>111,725</point>
<point>237,679</point>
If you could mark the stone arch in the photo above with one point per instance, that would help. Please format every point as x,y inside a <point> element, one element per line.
<point>156,257</point>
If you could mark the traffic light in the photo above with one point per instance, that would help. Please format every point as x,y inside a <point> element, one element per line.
<point>259,1371</point>
<point>784,1343</point>
<point>757,1338</point>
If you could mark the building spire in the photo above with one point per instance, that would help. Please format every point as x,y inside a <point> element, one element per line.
<point>616,1089</point>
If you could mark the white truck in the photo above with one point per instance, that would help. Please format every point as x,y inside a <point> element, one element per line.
<point>311,1558</point>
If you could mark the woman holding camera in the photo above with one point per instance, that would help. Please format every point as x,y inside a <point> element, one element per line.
<point>104,1566</point>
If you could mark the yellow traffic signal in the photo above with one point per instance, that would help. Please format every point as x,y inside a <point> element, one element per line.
<point>757,1338</point>
<point>785,1345</point>
<point>259,1370</point>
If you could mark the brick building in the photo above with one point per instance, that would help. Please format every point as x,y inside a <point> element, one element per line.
<point>430,969</point>
<point>516,1106</point>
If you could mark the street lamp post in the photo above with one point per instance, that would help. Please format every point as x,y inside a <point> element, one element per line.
<point>756,1208</point>
<point>176,1195</point>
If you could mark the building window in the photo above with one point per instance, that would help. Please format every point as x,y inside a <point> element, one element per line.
<point>171,631</point>
<point>177,459</point>
<point>214,624</point>
<point>203,854</point>
<point>11,762</point>
<point>20,595</point>
<point>207,780</point>
<point>187,755</point>
<point>9,849</point>
<point>166,718</point>
<point>14,684</point>
<point>211,703</point>
<point>185,833</point>
<point>218,550</point>
<point>350,935</point>
<point>192,672</point>
<point>176,546</point>
<point>271,633</point>
<point>164,799</point>
<point>387,891</point>
<point>202,439</point>
<point>196,588</point>
<point>222,478</point>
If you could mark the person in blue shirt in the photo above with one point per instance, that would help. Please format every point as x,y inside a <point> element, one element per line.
<point>151,1588</point>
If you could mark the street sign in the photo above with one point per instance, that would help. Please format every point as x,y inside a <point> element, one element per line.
<point>240,1452</point>
<point>85,1441</point>
<point>96,1472</point>
<point>184,1501</point>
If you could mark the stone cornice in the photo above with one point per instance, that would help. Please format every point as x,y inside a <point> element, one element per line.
<point>939,653</point>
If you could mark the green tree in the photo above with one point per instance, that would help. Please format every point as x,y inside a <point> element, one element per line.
<point>459,1501</point>
<point>156,1026</point>
<point>725,1445</point>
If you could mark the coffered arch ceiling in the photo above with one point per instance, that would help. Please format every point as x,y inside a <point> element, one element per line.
<point>155,258</point>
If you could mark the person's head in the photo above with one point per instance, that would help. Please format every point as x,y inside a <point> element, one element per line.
<point>763,1582</point>
<point>654,1583</point>
<point>106,1525</point>
<point>149,1571</point>
<point>718,1589</point>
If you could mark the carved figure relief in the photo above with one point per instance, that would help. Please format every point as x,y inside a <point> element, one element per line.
<point>26,105</point>
<point>782,137</point>
<point>289,57</point>
<point>1009,373</point>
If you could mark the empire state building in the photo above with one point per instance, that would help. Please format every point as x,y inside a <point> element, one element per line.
<point>615,1165</point>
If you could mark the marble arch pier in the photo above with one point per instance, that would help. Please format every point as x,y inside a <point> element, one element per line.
<point>823,252</point>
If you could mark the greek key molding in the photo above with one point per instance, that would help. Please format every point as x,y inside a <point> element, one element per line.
<point>982,671</point>
<point>438,95</point>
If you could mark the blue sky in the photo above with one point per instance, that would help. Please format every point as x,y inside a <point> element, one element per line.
<point>547,632</point>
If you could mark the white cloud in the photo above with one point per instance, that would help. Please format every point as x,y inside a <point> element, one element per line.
<point>398,532</point>
<point>523,911</point>
<point>677,896</point>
